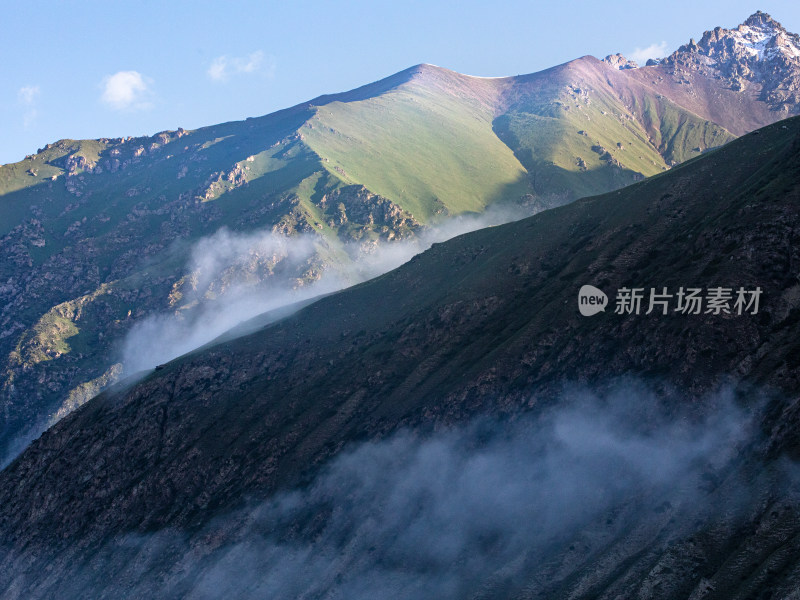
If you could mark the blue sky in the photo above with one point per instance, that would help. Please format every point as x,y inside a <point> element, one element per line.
<point>107,69</point>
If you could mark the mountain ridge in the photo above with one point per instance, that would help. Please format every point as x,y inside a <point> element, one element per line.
<point>98,233</point>
<point>486,323</point>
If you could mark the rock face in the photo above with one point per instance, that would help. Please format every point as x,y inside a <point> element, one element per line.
<point>759,53</point>
<point>369,213</point>
<point>140,489</point>
<point>617,61</point>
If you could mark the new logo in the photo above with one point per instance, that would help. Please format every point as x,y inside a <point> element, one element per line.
<point>591,300</point>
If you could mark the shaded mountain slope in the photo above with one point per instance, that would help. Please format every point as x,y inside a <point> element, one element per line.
<point>486,323</point>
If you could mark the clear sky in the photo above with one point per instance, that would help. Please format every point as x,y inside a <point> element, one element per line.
<point>109,68</point>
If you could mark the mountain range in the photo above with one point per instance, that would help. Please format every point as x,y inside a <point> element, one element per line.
<point>98,234</point>
<point>186,479</point>
<point>141,490</point>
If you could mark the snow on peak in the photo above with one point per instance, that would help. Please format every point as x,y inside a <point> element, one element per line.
<point>763,38</point>
<point>752,40</point>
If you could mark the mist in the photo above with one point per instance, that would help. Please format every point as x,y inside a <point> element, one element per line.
<point>441,516</point>
<point>484,508</point>
<point>234,277</point>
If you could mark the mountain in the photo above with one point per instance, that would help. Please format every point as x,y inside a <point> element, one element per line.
<point>145,489</point>
<point>100,235</point>
<point>759,55</point>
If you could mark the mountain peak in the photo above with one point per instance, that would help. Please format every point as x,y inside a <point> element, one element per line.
<point>762,20</point>
<point>759,53</point>
<point>759,38</point>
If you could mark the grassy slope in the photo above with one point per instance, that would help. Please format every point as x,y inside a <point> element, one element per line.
<point>550,145</point>
<point>427,143</point>
<point>580,129</point>
<point>677,133</point>
<point>425,147</point>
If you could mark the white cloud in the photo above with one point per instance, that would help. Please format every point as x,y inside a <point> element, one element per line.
<point>640,55</point>
<point>236,277</point>
<point>27,96</point>
<point>126,90</point>
<point>223,67</point>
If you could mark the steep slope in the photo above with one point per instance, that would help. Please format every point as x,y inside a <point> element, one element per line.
<point>97,235</point>
<point>104,229</point>
<point>580,128</point>
<point>740,78</point>
<point>427,143</point>
<point>486,323</point>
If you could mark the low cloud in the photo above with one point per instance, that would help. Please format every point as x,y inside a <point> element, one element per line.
<point>531,504</point>
<point>234,277</point>
<point>231,278</point>
<point>224,67</point>
<point>641,55</point>
<point>127,90</point>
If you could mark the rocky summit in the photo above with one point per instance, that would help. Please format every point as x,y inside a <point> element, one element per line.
<point>758,54</point>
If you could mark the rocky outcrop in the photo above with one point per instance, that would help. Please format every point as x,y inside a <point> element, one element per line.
<point>618,61</point>
<point>759,53</point>
<point>355,210</point>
